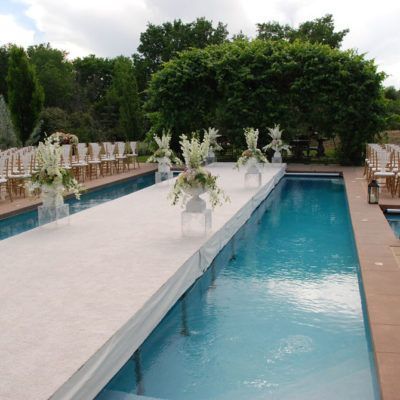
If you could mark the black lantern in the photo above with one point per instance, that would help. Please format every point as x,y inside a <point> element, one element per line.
<point>373,192</point>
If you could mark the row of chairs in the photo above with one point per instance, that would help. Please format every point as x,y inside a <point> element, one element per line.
<point>86,161</point>
<point>382,163</point>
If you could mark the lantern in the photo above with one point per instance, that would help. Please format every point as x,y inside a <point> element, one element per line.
<point>373,192</point>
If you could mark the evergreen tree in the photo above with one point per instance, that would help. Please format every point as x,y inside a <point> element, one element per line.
<point>7,134</point>
<point>124,95</point>
<point>25,95</point>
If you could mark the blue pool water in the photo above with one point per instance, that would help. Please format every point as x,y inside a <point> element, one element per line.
<point>28,220</point>
<point>394,222</point>
<point>277,316</point>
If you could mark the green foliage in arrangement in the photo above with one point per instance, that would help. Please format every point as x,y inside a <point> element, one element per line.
<point>25,94</point>
<point>304,87</point>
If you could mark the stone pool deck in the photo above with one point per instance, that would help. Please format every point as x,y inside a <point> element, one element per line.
<point>379,255</point>
<point>76,301</point>
<point>20,204</point>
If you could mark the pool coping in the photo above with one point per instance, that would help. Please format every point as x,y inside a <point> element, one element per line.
<point>377,248</point>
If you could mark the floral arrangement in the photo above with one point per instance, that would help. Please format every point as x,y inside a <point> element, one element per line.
<point>276,144</point>
<point>64,138</point>
<point>212,135</point>
<point>252,151</point>
<point>50,174</point>
<point>195,175</point>
<point>164,150</point>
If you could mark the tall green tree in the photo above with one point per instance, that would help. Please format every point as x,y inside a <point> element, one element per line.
<point>123,100</point>
<point>25,94</point>
<point>55,73</point>
<point>160,43</point>
<point>94,77</point>
<point>8,137</point>
<point>320,30</point>
<point>4,54</point>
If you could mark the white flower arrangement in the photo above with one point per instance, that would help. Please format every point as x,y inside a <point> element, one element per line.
<point>50,174</point>
<point>276,144</point>
<point>212,135</point>
<point>195,175</point>
<point>164,152</point>
<point>252,151</point>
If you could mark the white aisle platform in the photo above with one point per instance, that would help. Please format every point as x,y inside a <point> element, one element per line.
<point>75,302</point>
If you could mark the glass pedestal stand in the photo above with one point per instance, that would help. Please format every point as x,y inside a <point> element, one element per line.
<point>196,224</point>
<point>252,179</point>
<point>163,176</point>
<point>53,216</point>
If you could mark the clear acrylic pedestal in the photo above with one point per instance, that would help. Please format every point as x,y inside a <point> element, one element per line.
<point>252,180</point>
<point>196,224</point>
<point>276,160</point>
<point>163,176</point>
<point>53,216</point>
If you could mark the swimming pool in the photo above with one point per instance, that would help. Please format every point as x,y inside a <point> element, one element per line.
<point>28,220</point>
<point>278,315</point>
<point>394,222</point>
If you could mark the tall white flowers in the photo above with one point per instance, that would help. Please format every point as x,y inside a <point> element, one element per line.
<point>212,135</point>
<point>164,152</point>
<point>194,152</point>
<point>276,144</point>
<point>195,175</point>
<point>252,152</point>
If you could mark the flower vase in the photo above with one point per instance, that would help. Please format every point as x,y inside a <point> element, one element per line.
<point>164,165</point>
<point>252,177</point>
<point>53,208</point>
<point>277,158</point>
<point>211,157</point>
<point>196,204</point>
<point>252,166</point>
<point>52,195</point>
<point>196,219</point>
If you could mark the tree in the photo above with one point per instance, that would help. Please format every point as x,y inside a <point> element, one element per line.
<point>160,43</point>
<point>7,134</point>
<point>55,73</point>
<point>4,54</point>
<point>392,99</point>
<point>319,30</point>
<point>300,85</point>
<point>94,77</point>
<point>25,94</point>
<point>123,100</point>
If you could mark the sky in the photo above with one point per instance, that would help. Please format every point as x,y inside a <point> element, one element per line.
<point>109,28</point>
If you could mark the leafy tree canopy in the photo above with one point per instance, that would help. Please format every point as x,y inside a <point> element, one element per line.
<point>320,30</point>
<point>300,85</point>
<point>160,43</point>
<point>55,74</point>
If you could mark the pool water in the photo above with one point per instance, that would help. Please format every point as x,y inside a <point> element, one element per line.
<point>394,222</point>
<point>28,220</point>
<point>278,315</point>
